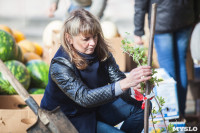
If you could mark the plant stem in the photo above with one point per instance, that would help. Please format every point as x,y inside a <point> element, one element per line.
<point>152,122</point>
<point>161,114</point>
<point>131,56</point>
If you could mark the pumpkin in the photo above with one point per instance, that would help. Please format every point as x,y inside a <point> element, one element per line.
<point>7,29</point>
<point>38,49</point>
<point>31,56</point>
<point>26,46</point>
<point>109,29</point>
<point>19,36</point>
<point>51,33</point>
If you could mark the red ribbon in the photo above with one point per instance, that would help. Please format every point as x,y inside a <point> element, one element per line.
<point>139,97</point>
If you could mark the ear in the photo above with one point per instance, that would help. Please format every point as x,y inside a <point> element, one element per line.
<point>69,38</point>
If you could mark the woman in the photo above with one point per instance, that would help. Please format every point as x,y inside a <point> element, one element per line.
<point>85,81</point>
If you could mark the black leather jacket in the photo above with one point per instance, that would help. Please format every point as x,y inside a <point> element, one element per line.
<point>63,73</point>
<point>171,15</point>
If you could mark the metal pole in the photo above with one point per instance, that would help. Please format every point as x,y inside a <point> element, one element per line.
<point>150,52</point>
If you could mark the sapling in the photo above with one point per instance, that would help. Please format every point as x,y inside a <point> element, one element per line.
<point>139,57</point>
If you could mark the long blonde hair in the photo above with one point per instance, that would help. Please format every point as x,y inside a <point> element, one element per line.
<point>83,22</point>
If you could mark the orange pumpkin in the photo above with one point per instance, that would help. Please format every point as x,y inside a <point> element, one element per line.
<point>26,46</point>
<point>31,56</point>
<point>7,29</point>
<point>19,36</point>
<point>38,49</point>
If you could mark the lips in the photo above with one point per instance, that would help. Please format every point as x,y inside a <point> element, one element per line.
<point>91,48</point>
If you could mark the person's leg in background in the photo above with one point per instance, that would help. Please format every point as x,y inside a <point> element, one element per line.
<point>182,38</point>
<point>171,51</point>
<point>164,45</point>
<point>115,112</point>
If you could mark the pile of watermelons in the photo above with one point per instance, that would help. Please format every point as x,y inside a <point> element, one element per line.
<point>24,59</point>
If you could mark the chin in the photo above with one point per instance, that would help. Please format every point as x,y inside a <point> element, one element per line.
<point>89,52</point>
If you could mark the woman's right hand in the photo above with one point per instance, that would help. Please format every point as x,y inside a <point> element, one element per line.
<point>138,40</point>
<point>136,76</point>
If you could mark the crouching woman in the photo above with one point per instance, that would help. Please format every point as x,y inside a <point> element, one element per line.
<point>85,81</point>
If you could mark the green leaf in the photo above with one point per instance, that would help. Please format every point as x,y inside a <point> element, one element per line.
<point>154,122</point>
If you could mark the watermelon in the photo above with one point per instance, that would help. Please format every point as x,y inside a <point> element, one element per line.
<point>20,72</point>
<point>36,91</point>
<point>19,54</point>
<point>8,48</point>
<point>39,71</point>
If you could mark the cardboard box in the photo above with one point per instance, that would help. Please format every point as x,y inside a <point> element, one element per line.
<point>15,115</point>
<point>124,61</point>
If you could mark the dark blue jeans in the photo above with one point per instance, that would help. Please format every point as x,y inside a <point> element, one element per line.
<point>115,112</point>
<point>171,51</point>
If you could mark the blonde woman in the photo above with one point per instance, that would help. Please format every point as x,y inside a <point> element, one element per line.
<point>85,81</point>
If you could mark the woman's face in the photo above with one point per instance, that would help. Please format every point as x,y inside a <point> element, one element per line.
<point>85,43</point>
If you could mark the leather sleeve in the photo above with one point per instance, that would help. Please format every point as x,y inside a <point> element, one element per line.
<point>115,75</point>
<point>141,7</point>
<point>62,73</point>
<point>113,69</point>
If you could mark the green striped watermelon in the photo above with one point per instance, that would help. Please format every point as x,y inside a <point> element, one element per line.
<point>39,71</point>
<point>20,72</point>
<point>19,54</point>
<point>8,48</point>
<point>36,91</point>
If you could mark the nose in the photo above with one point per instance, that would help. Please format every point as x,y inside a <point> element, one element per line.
<point>92,42</point>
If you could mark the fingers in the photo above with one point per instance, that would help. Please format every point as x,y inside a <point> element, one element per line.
<point>141,72</point>
<point>143,79</point>
<point>137,87</point>
<point>136,76</point>
<point>142,67</point>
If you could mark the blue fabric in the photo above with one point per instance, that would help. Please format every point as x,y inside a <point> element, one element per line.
<point>171,49</point>
<point>113,113</point>
<point>96,74</point>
